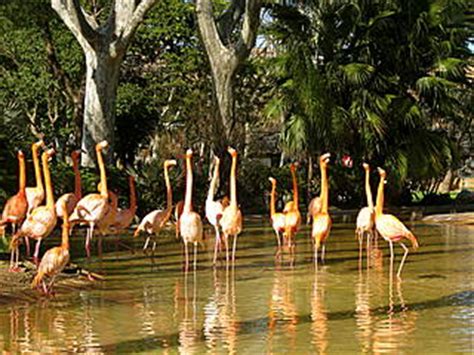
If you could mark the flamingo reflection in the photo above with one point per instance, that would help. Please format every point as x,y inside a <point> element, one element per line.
<point>189,331</point>
<point>363,314</point>
<point>319,317</point>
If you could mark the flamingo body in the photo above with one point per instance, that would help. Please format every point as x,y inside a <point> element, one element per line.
<point>67,201</point>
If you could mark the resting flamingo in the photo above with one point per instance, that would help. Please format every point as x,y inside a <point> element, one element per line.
<point>390,227</point>
<point>55,259</point>
<point>35,195</point>
<point>190,224</point>
<point>154,221</point>
<point>366,218</point>
<point>322,221</point>
<point>214,209</point>
<point>292,212</point>
<point>16,206</point>
<point>92,207</point>
<point>278,219</point>
<point>42,220</point>
<point>231,221</point>
<point>124,217</point>
<point>70,198</point>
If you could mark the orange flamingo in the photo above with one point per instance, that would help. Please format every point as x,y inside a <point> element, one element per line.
<point>313,208</point>
<point>16,206</point>
<point>70,198</point>
<point>92,207</point>
<point>190,224</point>
<point>154,221</point>
<point>35,195</point>
<point>42,220</point>
<point>390,227</point>
<point>178,211</point>
<point>55,259</point>
<point>292,212</point>
<point>231,221</point>
<point>124,217</point>
<point>214,209</point>
<point>278,219</point>
<point>322,221</point>
<point>366,218</point>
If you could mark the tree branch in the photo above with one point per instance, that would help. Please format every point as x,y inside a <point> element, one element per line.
<point>138,15</point>
<point>248,33</point>
<point>73,15</point>
<point>208,28</point>
<point>230,17</point>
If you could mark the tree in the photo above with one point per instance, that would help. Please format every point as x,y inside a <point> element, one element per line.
<point>104,46</point>
<point>228,41</point>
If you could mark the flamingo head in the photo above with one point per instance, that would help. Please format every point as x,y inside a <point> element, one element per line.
<point>50,152</point>
<point>21,155</point>
<point>294,166</point>
<point>76,154</point>
<point>272,180</point>
<point>232,152</point>
<point>365,166</point>
<point>382,172</point>
<point>217,161</point>
<point>324,159</point>
<point>38,144</point>
<point>189,153</point>
<point>102,145</point>
<point>170,162</point>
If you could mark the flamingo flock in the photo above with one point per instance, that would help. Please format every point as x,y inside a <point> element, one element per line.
<point>33,214</point>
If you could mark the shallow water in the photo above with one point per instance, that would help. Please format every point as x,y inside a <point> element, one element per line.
<point>150,305</point>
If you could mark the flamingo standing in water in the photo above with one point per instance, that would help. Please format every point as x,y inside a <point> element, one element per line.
<point>231,221</point>
<point>190,224</point>
<point>390,227</point>
<point>35,195</point>
<point>178,211</point>
<point>278,219</point>
<point>292,212</point>
<point>42,220</point>
<point>124,217</point>
<point>154,221</point>
<point>92,207</point>
<point>214,209</point>
<point>322,221</point>
<point>55,259</point>
<point>16,206</point>
<point>70,198</point>
<point>366,218</point>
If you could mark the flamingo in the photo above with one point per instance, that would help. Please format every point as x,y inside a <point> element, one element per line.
<point>124,217</point>
<point>322,221</point>
<point>214,209</point>
<point>70,198</point>
<point>178,210</point>
<point>278,219</point>
<point>92,207</point>
<point>55,259</point>
<point>190,224</point>
<point>42,220</point>
<point>390,227</point>
<point>291,211</point>
<point>35,195</point>
<point>16,206</point>
<point>231,221</point>
<point>366,218</point>
<point>313,208</point>
<point>154,221</point>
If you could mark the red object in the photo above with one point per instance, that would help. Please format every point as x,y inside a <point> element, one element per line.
<point>347,161</point>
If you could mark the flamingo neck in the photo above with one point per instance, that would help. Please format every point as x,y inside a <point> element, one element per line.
<point>380,197</point>
<point>188,207</point>
<point>324,189</point>
<point>103,175</point>
<point>133,195</point>
<point>169,192</point>
<point>213,186</point>
<point>65,230</point>
<point>368,191</point>
<point>295,189</point>
<point>272,199</point>
<point>233,183</point>
<point>47,181</point>
<point>22,183</point>
<point>36,163</point>
<point>77,179</point>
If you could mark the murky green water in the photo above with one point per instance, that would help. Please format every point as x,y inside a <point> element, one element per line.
<point>149,304</point>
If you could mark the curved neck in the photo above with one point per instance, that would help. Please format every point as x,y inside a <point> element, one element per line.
<point>189,187</point>
<point>169,192</point>
<point>380,196</point>
<point>233,182</point>
<point>213,187</point>
<point>103,175</point>
<point>295,189</point>
<point>368,191</point>
<point>65,230</point>
<point>36,163</point>
<point>22,183</point>
<point>272,199</point>
<point>324,189</point>
<point>133,195</point>
<point>77,179</point>
<point>47,181</point>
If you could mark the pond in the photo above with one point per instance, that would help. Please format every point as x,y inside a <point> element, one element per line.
<point>148,304</point>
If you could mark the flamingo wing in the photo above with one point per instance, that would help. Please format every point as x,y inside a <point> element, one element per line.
<point>390,227</point>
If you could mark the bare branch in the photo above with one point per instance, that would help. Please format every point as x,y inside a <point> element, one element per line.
<point>208,28</point>
<point>229,19</point>
<point>248,33</point>
<point>136,19</point>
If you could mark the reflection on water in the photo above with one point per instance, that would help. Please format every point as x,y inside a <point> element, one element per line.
<point>261,306</point>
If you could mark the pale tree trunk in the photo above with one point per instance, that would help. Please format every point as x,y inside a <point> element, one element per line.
<point>104,47</point>
<point>226,50</point>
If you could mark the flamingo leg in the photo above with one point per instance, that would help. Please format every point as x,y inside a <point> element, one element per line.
<point>27,244</point>
<point>323,252</point>
<point>277,235</point>
<point>195,256</point>
<point>45,288</point>
<point>226,244</point>
<point>234,248</point>
<point>403,260</point>
<point>216,245</point>
<point>316,255</point>
<point>37,249</point>
<point>360,250</point>
<point>186,257</point>
<point>391,258</point>
<point>145,246</point>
